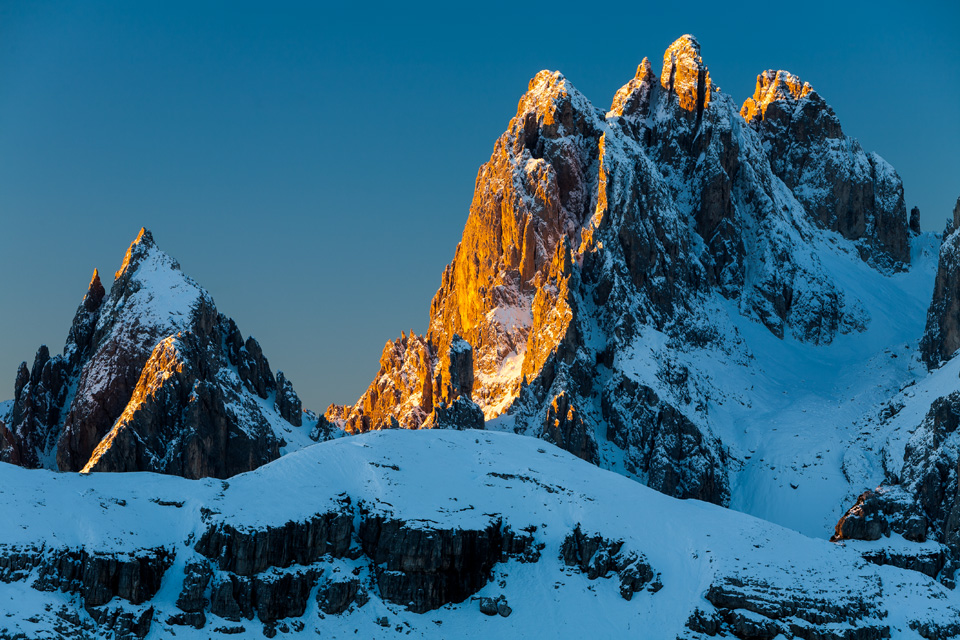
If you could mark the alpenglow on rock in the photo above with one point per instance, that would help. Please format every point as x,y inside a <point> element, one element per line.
<point>592,231</point>
<point>152,378</point>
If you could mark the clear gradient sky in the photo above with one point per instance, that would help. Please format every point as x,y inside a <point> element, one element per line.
<point>312,166</point>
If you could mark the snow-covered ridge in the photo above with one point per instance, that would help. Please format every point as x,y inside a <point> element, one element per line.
<point>710,570</point>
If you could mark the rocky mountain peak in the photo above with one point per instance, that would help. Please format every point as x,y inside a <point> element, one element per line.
<point>550,109</point>
<point>774,86</point>
<point>138,249</point>
<point>633,98</point>
<point>685,74</point>
<point>95,293</point>
<point>152,378</point>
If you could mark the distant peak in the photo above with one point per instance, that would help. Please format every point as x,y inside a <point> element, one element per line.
<point>774,86</point>
<point>685,74</point>
<point>143,243</point>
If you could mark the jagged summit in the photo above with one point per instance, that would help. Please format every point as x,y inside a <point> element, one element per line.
<point>774,86</point>
<point>95,293</point>
<point>152,377</point>
<point>668,215</point>
<point>140,246</point>
<point>685,75</point>
<point>634,97</point>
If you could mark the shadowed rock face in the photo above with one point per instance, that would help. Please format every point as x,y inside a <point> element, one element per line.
<point>40,392</point>
<point>941,338</point>
<point>924,502</point>
<point>587,228</point>
<point>151,378</point>
<point>840,186</point>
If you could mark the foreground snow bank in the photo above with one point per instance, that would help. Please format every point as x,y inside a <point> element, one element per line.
<point>361,534</point>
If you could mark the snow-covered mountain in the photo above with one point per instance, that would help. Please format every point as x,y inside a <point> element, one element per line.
<point>681,289</point>
<point>723,302</point>
<point>152,378</point>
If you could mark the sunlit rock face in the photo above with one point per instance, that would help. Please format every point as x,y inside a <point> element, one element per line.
<point>840,186</point>
<point>590,230</point>
<point>152,378</point>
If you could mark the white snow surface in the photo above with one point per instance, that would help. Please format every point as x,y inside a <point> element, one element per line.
<point>689,543</point>
<point>801,421</point>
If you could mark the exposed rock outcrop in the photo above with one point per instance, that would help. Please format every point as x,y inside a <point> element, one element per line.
<point>840,186</point>
<point>941,338</point>
<point>597,557</point>
<point>425,568</point>
<point>751,608</point>
<point>924,502</point>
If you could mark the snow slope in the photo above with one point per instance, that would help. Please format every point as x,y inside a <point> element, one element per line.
<point>451,479</point>
<point>800,421</point>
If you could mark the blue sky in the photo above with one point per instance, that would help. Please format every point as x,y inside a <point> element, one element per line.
<point>312,166</point>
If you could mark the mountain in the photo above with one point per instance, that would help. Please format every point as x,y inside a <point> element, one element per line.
<point>678,301</point>
<point>612,260</point>
<point>152,378</point>
<point>499,536</point>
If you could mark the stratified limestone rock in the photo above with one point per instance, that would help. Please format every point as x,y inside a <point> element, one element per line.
<point>248,552</point>
<point>427,568</point>
<point>941,337</point>
<point>752,608</point>
<point>100,581</point>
